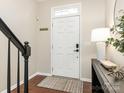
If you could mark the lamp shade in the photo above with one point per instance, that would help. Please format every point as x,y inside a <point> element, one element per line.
<point>100,34</point>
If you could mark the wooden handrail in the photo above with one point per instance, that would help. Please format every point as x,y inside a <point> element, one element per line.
<point>8,33</point>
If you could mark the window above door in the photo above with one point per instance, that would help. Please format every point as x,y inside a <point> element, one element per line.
<point>67,10</point>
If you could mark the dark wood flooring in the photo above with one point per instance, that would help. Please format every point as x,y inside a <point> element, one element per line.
<point>37,79</point>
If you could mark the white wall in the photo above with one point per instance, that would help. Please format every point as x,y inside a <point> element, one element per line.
<point>113,54</point>
<point>93,16</point>
<point>20,16</point>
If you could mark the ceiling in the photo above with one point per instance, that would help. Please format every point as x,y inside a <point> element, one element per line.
<point>41,0</point>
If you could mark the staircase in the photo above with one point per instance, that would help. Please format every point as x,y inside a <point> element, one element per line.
<point>25,50</point>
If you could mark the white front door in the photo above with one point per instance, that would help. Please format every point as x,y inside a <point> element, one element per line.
<point>66,46</point>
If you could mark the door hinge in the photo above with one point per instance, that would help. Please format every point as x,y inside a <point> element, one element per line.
<point>52,24</point>
<point>52,69</point>
<point>52,46</point>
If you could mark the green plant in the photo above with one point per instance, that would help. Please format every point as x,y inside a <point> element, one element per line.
<point>118,30</point>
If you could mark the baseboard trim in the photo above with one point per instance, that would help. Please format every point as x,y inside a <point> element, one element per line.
<point>21,82</point>
<point>44,74</point>
<point>86,79</point>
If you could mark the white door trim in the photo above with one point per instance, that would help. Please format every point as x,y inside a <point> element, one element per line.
<point>80,72</point>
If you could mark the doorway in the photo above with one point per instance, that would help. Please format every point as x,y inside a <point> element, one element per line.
<point>66,41</point>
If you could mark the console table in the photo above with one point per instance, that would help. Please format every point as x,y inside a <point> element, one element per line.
<point>102,82</point>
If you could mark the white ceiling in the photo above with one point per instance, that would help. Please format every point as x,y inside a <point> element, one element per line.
<point>41,0</point>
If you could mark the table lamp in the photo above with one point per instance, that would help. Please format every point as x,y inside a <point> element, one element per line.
<point>100,36</point>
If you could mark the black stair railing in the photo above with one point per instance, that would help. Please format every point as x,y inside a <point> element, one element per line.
<point>26,52</point>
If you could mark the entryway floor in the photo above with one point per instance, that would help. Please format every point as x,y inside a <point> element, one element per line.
<point>37,79</point>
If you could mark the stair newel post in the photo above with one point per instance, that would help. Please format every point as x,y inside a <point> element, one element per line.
<point>26,57</point>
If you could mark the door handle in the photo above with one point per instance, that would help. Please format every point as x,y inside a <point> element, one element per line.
<point>77,50</point>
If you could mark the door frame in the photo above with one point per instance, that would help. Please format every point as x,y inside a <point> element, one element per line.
<point>80,15</point>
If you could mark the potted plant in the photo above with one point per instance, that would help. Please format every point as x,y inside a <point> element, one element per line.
<point>118,31</point>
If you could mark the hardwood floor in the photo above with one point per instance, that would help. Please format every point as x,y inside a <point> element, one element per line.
<point>37,79</point>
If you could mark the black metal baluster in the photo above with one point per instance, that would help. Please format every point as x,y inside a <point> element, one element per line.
<point>9,69</point>
<point>18,73</point>
<point>26,77</point>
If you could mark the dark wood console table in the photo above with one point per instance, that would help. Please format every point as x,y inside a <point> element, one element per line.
<point>102,82</point>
